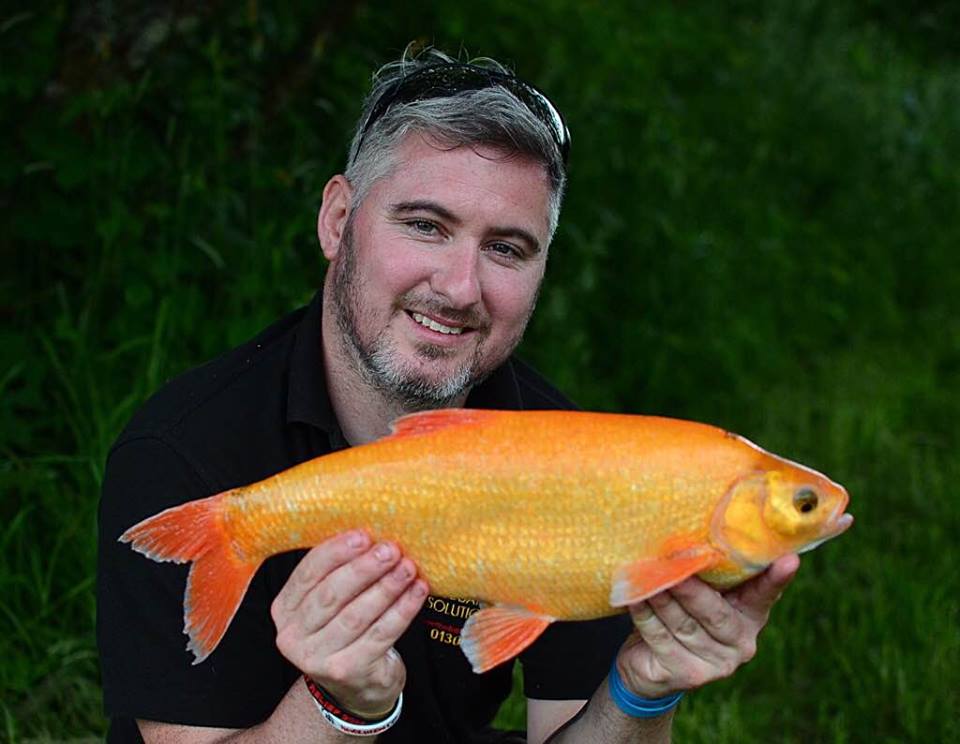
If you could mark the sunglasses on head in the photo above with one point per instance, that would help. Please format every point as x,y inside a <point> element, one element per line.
<point>449,78</point>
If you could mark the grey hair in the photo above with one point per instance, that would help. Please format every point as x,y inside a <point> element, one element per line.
<point>491,116</point>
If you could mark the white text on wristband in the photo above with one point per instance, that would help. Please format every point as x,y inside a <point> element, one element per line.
<point>346,722</point>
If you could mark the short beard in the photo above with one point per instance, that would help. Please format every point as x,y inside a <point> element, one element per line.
<point>378,363</point>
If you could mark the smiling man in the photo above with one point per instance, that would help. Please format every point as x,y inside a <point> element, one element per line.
<point>437,236</point>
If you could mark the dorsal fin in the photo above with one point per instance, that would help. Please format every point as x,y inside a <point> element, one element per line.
<point>427,422</point>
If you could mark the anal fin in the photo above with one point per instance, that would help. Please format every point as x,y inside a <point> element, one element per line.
<point>493,635</point>
<point>634,582</point>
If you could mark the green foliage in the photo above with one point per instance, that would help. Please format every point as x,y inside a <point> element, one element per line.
<point>760,232</point>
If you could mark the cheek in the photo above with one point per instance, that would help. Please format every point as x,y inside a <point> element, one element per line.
<point>397,272</point>
<point>511,298</point>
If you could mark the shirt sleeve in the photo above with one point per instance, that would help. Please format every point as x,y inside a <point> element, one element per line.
<point>146,670</point>
<point>571,659</point>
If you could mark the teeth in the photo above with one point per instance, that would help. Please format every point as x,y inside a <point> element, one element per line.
<point>435,326</point>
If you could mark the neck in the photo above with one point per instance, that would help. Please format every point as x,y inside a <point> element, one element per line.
<point>363,411</point>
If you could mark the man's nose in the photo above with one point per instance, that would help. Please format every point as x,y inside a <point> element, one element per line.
<point>457,277</point>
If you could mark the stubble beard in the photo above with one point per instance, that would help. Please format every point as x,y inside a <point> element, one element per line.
<point>378,362</point>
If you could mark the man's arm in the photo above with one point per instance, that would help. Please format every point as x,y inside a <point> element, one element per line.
<point>685,637</point>
<point>295,720</point>
<point>338,616</point>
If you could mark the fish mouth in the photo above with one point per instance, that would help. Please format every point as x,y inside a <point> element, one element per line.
<point>841,524</point>
<point>838,525</point>
<point>840,521</point>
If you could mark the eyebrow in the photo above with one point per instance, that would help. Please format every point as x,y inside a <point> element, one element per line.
<point>401,208</point>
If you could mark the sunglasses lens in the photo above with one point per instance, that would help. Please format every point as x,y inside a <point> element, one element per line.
<point>442,80</point>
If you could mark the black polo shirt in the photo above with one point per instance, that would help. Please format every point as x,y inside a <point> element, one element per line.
<point>257,410</point>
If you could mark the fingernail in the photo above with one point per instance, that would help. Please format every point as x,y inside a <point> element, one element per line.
<point>356,540</point>
<point>420,589</point>
<point>403,571</point>
<point>383,552</point>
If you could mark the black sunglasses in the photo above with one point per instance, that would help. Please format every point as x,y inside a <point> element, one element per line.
<point>450,78</point>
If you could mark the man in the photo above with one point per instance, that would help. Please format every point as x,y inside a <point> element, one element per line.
<point>437,237</point>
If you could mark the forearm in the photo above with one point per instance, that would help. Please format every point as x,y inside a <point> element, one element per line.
<point>296,720</point>
<point>602,722</point>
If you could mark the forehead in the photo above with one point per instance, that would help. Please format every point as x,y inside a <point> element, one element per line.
<point>479,184</point>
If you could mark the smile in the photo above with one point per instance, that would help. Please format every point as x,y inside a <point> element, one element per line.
<point>435,326</point>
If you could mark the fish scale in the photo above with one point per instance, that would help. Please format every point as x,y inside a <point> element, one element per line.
<point>544,515</point>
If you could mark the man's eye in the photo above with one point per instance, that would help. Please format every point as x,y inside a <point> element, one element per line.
<point>505,249</point>
<point>423,227</point>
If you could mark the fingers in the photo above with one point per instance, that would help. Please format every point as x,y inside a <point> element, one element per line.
<point>363,670</point>
<point>655,654</point>
<point>699,612</point>
<point>317,564</point>
<point>691,634</point>
<point>392,623</point>
<point>755,598</point>
<point>340,612</point>
<point>333,598</point>
<point>654,632</point>
<point>363,593</point>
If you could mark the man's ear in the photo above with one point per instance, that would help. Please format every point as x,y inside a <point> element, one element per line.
<point>334,211</point>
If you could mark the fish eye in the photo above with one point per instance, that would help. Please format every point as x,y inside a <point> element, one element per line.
<point>805,500</point>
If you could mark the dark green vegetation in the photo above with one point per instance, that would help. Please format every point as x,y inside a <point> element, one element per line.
<point>761,232</point>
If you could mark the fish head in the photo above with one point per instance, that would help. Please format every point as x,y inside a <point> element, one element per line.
<point>771,513</point>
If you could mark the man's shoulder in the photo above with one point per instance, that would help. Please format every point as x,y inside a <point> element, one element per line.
<point>219,389</point>
<point>536,393</point>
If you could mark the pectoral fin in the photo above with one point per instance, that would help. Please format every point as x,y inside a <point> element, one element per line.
<point>634,582</point>
<point>495,634</point>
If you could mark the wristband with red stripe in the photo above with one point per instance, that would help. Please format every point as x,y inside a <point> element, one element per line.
<point>345,721</point>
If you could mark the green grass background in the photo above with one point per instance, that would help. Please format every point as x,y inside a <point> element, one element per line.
<point>761,232</point>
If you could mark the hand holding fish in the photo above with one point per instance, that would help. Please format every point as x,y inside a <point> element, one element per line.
<point>339,614</point>
<point>692,634</point>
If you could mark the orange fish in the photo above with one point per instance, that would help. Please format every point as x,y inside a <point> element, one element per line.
<point>542,515</point>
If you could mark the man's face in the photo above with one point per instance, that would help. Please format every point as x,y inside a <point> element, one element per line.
<point>438,269</point>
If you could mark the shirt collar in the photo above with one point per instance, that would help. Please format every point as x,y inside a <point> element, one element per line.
<point>307,398</point>
<point>499,391</point>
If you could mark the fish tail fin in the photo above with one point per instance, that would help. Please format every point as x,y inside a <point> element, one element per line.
<point>194,532</point>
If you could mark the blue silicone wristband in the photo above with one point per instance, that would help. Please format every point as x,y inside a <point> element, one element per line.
<point>634,705</point>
